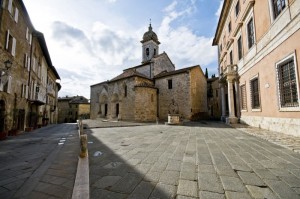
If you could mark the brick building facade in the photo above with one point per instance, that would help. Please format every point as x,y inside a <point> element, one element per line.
<point>152,89</point>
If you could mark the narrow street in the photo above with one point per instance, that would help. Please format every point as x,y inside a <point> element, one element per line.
<point>39,164</point>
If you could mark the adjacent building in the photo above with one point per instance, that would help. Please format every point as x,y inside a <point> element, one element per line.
<point>259,49</point>
<point>151,90</point>
<point>213,98</point>
<point>28,78</point>
<point>73,108</point>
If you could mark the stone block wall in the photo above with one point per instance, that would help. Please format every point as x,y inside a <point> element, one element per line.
<point>180,93</point>
<point>162,63</point>
<point>145,104</point>
<point>198,91</point>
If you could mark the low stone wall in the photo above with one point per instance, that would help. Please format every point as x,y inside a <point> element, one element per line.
<point>289,126</point>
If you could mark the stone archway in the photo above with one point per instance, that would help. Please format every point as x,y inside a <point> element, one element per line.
<point>115,102</point>
<point>103,102</point>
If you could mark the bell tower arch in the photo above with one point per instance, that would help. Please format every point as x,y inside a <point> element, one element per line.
<point>150,45</point>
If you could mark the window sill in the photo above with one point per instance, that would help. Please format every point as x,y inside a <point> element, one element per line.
<point>256,110</point>
<point>290,109</point>
<point>245,110</point>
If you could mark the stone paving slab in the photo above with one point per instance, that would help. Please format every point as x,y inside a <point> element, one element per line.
<point>198,160</point>
<point>39,164</point>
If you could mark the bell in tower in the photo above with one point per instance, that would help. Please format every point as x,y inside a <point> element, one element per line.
<point>150,45</point>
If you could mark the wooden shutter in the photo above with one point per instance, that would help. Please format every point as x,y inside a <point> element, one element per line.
<point>7,40</point>
<point>16,15</point>
<point>30,38</point>
<point>26,92</point>
<point>27,32</point>
<point>1,84</point>
<point>28,64</point>
<point>9,7</point>
<point>13,49</point>
<point>9,84</point>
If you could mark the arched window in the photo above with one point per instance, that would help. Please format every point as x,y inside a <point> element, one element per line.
<point>154,52</point>
<point>125,91</point>
<point>147,51</point>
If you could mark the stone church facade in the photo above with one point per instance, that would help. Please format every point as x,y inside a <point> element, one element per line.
<point>151,90</point>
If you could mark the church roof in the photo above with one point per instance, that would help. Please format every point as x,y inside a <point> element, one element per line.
<point>150,35</point>
<point>183,70</point>
<point>127,74</point>
<point>79,100</point>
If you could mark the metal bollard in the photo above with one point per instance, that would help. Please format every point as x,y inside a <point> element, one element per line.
<point>83,146</point>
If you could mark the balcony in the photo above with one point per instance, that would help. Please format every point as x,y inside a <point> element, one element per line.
<point>230,70</point>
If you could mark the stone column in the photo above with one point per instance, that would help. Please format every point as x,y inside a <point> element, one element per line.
<point>223,117</point>
<point>232,118</point>
<point>237,96</point>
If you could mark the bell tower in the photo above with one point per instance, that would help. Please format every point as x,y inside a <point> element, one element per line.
<point>150,45</point>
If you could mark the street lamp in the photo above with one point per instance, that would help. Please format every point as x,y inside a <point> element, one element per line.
<point>8,64</point>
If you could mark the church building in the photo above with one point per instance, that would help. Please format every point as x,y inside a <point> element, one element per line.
<point>151,90</point>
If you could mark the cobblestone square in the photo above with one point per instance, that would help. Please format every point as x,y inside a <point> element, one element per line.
<point>198,160</point>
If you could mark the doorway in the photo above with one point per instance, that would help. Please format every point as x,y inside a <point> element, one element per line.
<point>105,110</point>
<point>2,115</point>
<point>117,109</point>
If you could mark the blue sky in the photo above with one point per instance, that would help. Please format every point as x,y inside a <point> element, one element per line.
<point>91,41</point>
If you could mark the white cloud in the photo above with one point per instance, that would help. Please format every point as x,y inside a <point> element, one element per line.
<point>219,9</point>
<point>182,45</point>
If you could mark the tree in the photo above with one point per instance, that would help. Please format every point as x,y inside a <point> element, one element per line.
<point>206,73</point>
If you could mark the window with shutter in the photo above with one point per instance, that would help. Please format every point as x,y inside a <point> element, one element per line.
<point>27,32</point>
<point>25,60</point>
<point>16,15</point>
<point>26,92</point>
<point>14,43</point>
<point>8,89</point>
<point>1,84</point>
<point>28,64</point>
<point>11,42</point>
<point>30,38</point>
<point>7,39</point>
<point>9,7</point>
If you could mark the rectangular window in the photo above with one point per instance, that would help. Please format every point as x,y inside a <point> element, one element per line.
<point>243,97</point>
<point>16,17</point>
<point>125,91</point>
<point>231,57</point>
<point>278,6</point>
<point>170,86</point>
<point>250,33</point>
<point>10,43</point>
<point>229,26</point>
<point>255,102</point>
<point>9,7</point>
<point>240,47</point>
<point>287,84</point>
<point>237,8</point>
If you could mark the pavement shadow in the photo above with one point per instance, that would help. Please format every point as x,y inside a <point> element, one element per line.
<point>122,169</point>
